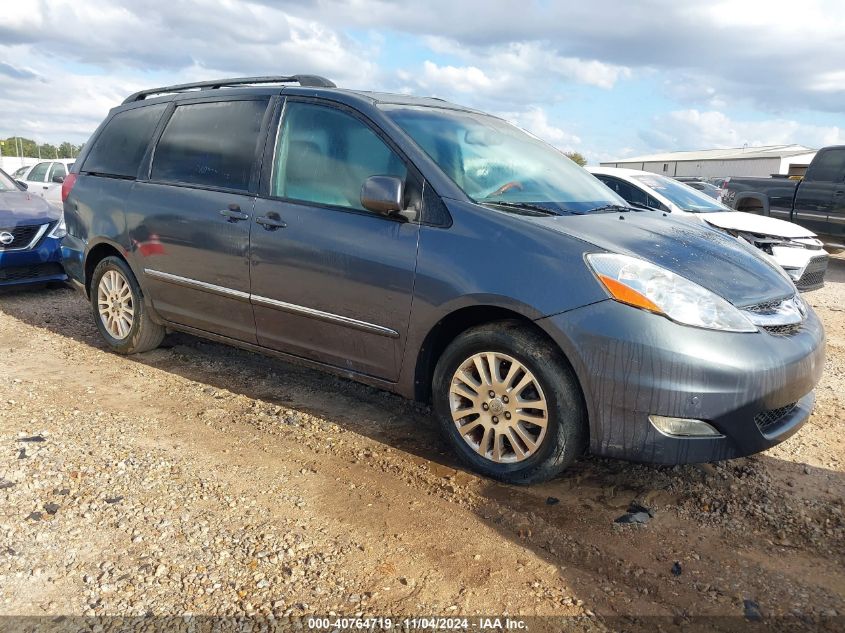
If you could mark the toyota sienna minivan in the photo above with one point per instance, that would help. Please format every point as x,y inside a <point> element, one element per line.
<point>443,254</point>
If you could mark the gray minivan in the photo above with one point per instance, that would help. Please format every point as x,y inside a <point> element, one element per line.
<point>442,254</point>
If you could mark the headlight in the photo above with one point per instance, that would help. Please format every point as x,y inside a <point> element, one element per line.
<point>60,230</point>
<point>644,285</point>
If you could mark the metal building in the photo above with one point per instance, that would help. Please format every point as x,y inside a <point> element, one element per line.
<point>761,161</point>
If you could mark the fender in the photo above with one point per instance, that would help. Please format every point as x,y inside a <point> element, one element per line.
<point>747,196</point>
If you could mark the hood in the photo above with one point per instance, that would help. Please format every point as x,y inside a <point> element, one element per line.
<point>723,264</point>
<point>760,224</point>
<point>20,208</point>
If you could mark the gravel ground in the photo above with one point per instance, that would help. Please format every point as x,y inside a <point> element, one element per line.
<point>200,479</point>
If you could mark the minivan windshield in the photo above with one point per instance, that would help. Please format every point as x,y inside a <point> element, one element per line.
<point>681,195</point>
<point>497,163</point>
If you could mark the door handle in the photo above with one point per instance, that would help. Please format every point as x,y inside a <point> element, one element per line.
<point>840,192</point>
<point>234,213</point>
<point>271,222</point>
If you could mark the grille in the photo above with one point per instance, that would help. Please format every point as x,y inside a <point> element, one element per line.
<point>767,419</point>
<point>783,330</point>
<point>764,307</point>
<point>23,235</point>
<point>813,277</point>
<point>23,273</point>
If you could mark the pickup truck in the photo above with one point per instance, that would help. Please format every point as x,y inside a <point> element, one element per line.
<point>817,202</point>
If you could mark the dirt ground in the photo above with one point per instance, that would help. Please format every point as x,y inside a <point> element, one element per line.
<point>200,479</point>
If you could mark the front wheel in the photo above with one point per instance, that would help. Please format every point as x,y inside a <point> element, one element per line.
<point>509,403</point>
<point>119,310</point>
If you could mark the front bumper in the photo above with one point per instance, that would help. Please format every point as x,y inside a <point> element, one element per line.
<point>73,258</point>
<point>39,265</point>
<point>755,389</point>
<point>806,267</point>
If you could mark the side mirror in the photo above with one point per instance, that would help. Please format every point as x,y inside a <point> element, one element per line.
<point>58,179</point>
<point>22,185</point>
<point>383,194</point>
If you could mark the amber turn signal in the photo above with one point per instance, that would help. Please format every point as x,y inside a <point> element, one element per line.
<point>626,294</point>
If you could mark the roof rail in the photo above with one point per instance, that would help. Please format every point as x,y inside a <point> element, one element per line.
<point>312,81</point>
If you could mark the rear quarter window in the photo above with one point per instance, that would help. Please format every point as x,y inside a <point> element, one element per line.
<point>210,144</point>
<point>120,147</point>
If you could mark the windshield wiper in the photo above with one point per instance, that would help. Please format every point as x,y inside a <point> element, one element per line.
<point>607,208</point>
<point>527,206</point>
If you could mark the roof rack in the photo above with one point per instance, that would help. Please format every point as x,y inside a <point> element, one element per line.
<point>311,81</point>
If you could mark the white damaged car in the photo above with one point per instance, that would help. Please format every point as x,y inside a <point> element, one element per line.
<point>797,250</point>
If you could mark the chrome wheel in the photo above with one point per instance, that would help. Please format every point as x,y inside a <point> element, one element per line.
<point>498,407</point>
<point>115,304</point>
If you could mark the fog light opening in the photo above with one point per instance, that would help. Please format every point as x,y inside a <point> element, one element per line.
<point>682,427</point>
<point>794,273</point>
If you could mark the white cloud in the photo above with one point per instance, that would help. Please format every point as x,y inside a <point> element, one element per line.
<point>540,62</point>
<point>531,67</point>
<point>694,129</point>
<point>453,78</point>
<point>64,64</point>
<point>536,121</point>
<point>767,52</point>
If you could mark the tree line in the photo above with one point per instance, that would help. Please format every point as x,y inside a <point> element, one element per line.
<point>26,147</point>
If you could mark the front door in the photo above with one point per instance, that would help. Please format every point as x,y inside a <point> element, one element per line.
<point>820,200</point>
<point>331,281</point>
<point>36,180</point>
<point>189,223</point>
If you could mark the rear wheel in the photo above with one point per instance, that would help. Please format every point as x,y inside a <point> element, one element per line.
<point>509,403</point>
<point>119,310</point>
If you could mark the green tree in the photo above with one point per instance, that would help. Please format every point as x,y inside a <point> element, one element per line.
<point>14,145</point>
<point>66,150</point>
<point>48,151</point>
<point>19,146</point>
<point>576,157</point>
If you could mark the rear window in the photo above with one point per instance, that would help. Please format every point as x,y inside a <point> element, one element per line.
<point>829,166</point>
<point>679,193</point>
<point>120,147</point>
<point>210,144</point>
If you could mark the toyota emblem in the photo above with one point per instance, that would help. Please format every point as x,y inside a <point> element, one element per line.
<point>6,238</point>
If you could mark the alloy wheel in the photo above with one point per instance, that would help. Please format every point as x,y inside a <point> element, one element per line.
<point>498,407</point>
<point>115,304</point>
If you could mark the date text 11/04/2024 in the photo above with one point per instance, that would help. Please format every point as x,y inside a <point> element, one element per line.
<point>416,624</point>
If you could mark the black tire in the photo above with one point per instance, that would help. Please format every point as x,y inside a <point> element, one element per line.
<point>144,333</point>
<point>567,432</point>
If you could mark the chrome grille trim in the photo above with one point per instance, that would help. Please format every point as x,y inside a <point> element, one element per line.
<point>37,238</point>
<point>789,311</point>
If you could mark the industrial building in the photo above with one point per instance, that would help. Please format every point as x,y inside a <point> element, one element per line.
<point>760,161</point>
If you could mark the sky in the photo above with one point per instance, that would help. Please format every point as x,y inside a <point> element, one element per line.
<point>606,79</point>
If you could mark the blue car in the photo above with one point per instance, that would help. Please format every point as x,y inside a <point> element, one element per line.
<point>31,230</point>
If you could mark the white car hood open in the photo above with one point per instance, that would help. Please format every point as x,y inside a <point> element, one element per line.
<point>760,224</point>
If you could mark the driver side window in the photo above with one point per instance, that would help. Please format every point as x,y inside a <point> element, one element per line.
<point>627,191</point>
<point>39,172</point>
<point>323,156</point>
